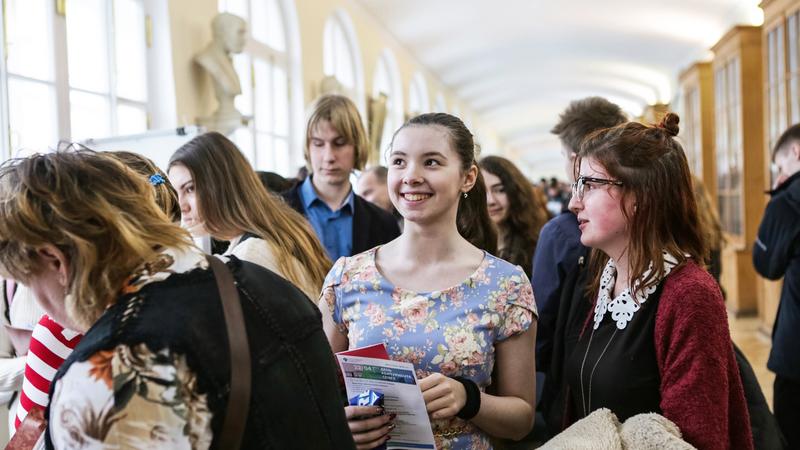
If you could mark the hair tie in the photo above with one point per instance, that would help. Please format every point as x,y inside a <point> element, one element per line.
<point>157,180</point>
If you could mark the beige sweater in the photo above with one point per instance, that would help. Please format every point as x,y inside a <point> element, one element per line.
<point>601,430</point>
<point>258,251</point>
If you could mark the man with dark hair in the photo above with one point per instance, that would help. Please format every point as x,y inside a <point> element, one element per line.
<point>559,248</point>
<point>776,254</point>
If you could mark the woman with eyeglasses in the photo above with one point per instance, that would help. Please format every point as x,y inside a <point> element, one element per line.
<point>650,332</point>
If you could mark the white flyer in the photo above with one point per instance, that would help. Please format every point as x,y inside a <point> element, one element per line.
<point>401,395</point>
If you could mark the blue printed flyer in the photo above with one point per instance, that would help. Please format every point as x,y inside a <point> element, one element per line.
<point>402,396</point>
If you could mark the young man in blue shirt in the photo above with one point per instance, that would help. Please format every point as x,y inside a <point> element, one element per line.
<point>336,144</point>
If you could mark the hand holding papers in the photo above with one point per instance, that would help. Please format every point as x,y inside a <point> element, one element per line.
<point>402,396</point>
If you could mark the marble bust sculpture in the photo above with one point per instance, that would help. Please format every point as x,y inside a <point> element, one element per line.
<point>229,37</point>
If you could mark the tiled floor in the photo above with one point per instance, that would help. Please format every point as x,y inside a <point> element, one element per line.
<point>755,345</point>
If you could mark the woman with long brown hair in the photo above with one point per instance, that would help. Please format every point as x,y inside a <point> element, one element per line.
<point>515,209</point>
<point>437,298</point>
<point>650,333</point>
<point>220,194</point>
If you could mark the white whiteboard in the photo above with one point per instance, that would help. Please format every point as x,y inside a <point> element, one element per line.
<point>158,145</point>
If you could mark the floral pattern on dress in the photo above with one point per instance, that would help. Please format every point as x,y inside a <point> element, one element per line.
<point>451,331</point>
<point>162,265</point>
<point>130,396</point>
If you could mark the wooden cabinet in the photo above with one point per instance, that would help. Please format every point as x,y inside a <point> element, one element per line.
<point>739,154</point>
<point>653,114</point>
<point>781,56</point>
<point>697,123</point>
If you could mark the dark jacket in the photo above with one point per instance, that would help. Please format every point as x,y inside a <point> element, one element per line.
<point>557,255</point>
<point>766,433</point>
<point>372,226</point>
<point>776,254</point>
<point>295,401</point>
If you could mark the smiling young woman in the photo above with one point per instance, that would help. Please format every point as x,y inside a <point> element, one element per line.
<point>438,299</point>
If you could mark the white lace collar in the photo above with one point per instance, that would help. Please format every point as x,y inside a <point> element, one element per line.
<point>623,306</point>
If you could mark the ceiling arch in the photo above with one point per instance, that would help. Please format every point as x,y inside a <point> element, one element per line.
<point>518,63</point>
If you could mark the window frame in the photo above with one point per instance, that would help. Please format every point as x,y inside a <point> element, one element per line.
<point>285,60</point>
<point>60,83</point>
<point>340,20</point>
<point>394,104</point>
<point>418,90</point>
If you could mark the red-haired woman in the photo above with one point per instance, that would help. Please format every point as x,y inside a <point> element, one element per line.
<point>653,333</point>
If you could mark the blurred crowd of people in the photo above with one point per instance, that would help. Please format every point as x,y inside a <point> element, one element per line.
<point>528,310</point>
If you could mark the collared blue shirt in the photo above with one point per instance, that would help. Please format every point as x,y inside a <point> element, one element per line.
<point>334,228</point>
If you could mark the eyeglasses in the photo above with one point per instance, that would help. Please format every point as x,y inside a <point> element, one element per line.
<point>580,185</point>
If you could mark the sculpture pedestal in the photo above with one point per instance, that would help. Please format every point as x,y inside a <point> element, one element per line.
<point>224,124</point>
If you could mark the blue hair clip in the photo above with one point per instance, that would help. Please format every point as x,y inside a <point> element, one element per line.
<point>157,180</point>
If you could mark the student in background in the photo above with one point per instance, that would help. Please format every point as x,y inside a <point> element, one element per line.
<point>515,209</point>
<point>336,144</point>
<point>220,194</point>
<point>19,313</point>
<point>372,186</point>
<point>776,254</point>
<point>711,227</point>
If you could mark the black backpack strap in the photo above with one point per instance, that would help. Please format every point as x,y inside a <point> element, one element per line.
<point>239,398</point>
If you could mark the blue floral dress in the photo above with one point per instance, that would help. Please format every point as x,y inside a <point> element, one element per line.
<point>452,331</point>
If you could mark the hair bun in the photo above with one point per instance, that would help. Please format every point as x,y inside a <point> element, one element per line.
<point>670,123</point>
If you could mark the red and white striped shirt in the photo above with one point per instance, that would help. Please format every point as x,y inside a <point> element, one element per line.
<point>50,345</point>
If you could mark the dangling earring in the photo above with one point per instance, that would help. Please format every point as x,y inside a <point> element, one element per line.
<point>466,195</point>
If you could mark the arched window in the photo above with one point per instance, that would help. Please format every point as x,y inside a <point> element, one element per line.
<point>418,96</point>
<point>387,81</point>
<point>94,85</point>
<point>267,70</point>
<point>441,103</point>
<point>341,57</point>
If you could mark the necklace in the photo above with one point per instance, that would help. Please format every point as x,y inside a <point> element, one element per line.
<point>587,405</point>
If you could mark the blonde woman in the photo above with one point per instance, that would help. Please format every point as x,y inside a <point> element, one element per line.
<point>221,195</point>
<point>153,368</point>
